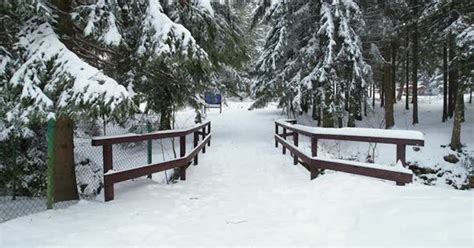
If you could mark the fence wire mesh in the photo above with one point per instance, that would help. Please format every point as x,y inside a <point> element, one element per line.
<point>24,174</point>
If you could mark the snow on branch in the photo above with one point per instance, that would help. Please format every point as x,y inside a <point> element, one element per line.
<point>56,79</point>
<point>163,37</point>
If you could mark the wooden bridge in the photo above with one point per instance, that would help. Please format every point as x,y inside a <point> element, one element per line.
<point>314,164</point>
<point>289,129</point>
<point>111,177</point>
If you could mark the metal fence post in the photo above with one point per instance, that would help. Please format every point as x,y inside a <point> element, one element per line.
<point>50,180</point>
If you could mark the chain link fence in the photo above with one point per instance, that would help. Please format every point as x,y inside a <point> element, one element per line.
<point>24,176</point>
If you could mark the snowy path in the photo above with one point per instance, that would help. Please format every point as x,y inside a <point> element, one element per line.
<point>244,192</point>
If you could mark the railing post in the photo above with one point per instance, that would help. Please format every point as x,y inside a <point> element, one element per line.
<point>203,137</point>
<point>209,132</point>
<point>196,140</point>
<point>314,146</point>
<point>284,137</point>
<point>149,148</point>
<point>276,132</point>
<point>182,153</point>
<point>295,142</point>
<point>401,153</point>
<point>108,165</point>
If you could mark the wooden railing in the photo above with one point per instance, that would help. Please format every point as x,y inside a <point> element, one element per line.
<point>313,163</point>
<point>111,177</point>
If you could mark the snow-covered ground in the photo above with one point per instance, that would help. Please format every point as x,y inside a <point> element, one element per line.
<point>437,136</point>
<point>245,192</point>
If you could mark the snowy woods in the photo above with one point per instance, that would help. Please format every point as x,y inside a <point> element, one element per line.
<point>85,65</point>
<point>89,60</point>
<point>335,55</point>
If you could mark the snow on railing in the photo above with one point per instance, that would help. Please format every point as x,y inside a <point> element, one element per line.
<point>111,176</point>
<point>400,138</point>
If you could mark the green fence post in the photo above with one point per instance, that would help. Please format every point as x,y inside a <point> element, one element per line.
<point>50,182</point>
<point>149,148</point>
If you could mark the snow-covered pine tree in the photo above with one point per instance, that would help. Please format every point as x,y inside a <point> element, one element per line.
<point>156,49</point>
<point>169,61</point>
<point>282,64</point>
<point>317,58</point>
<point>216,29</point>
<point>45,79</point>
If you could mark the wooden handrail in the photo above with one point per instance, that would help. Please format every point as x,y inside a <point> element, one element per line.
<point>313,164</point>
<point>111,177</point>
<point>129,138</point>
<point>304,130</point>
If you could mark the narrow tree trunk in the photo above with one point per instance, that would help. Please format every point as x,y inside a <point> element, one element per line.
<point>373,95</point>
<point>388,89</point>
<point>394,44</point>
<point>314,109</point>
<point>415,64</point>
<point>165,118</point>
<point>456,134</point>
<point>382,96</point>
<point>352,109</point>
<point>328,115</point>
<point>445,82</point>
<point>407,76</point>
<point>470,94</point>
<point>65,185</point>
<point>453,78</point>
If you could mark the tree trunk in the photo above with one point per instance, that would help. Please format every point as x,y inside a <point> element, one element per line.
<point>453,77</point>
<point>407,76</point>
<point>394,45</point>
<point>388,89</point>
<point>314,113</point>
<point>382,96</point>
<point>415,63</point>
<point>445,82</point>
<point>470,94</point>
<point>328,115</point>
<point>373,95</point>
<point>352,109</point>
<point>456,134</point>
<point>65,184</point>
<point>165,118</point>
<point>64,24</point>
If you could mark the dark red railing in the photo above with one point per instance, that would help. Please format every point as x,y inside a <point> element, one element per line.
<point>111,177</point>
<point>314,164</point>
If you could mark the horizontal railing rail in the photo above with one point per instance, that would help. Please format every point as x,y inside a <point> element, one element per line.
<point>111,177</point>
<point>314,164</point>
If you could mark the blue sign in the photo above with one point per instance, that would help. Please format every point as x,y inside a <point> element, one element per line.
<point>211,98</point>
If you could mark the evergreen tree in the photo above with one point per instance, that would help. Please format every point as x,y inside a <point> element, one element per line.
<point>317,57</point>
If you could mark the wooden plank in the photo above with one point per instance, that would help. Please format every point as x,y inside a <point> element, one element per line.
<point>203,136</point>
<point>194,153</point>
<point>124,175</point>
<point>384,140</point>
<point>401,154</point>
<point>208,132</point>
<point>182,153</point>
<point>398,177</point>
<point>129,138</point>
<point>276,132</point>
<point>295,142</point>
<point>108,165</point>
<point>315,164</point>
<point>195,143</point>
<point>314,146</point>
